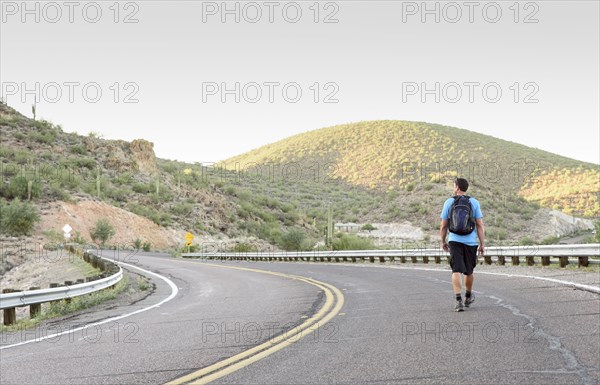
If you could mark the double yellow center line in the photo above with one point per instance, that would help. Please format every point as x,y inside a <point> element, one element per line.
<point>334,300</point>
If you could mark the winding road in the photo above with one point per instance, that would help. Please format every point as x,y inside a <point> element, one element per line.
<point>306,323</point>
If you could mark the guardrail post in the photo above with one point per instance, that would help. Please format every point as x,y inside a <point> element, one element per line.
<point>425,259</point>
<point>10,315</point>
<point>68,283</point>
<point>372,259</point>
<point>413,259</point>
<point>438,259</point>
<point>392,258</point>
<point>402,259</point>
<point>36,308</point>
<point>545,261</point>
<point>487,259</point>
<point>530,261</point>
<point>515,260</point>
<point>501,260</point>
<point>354,259</point>
<point>564,261</point>
<point>381,259</point>
<point>583,261</point>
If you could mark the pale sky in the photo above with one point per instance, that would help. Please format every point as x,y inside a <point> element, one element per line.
<point>177,64</point>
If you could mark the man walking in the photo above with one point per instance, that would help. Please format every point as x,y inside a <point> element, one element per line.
<point>461,215</point>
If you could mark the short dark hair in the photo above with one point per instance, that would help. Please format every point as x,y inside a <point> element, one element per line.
<point>462,184</point>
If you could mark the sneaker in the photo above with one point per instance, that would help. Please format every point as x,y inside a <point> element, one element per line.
<point>459,306</point>
<point>469,301</point>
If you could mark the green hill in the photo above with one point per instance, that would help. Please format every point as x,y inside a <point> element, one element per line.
<point>394,171</point>
<point>406,156</point>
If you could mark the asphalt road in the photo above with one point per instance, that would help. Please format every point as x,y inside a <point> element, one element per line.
<point>396,326</point>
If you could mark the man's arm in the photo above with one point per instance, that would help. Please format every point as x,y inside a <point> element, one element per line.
<point>443,233</point>
<point>481,235</point>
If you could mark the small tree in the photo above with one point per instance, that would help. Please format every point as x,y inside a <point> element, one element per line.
<point>18,218</point>
<point>137,244</point>
<point>369,227</point>
<point>103,231</point>
<point>293,240</point>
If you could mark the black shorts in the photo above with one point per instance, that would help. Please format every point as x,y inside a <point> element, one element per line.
<point>463,258</point>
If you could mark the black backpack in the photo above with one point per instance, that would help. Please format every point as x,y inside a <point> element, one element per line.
<point>460,219</point>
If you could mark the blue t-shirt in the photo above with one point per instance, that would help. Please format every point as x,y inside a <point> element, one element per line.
<point>469,239</point>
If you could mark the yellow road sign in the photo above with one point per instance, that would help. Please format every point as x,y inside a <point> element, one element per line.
<point>189,237</point>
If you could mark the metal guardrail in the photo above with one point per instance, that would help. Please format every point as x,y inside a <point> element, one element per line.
<point>32,297</point>
<point>544,251</point>
<point>10,299</point>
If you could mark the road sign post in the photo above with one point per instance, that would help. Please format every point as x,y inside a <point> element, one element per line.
<point>67,232</point>
<point>189,237</point>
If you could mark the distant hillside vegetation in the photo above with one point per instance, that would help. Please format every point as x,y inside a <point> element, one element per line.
<point>404,156</point>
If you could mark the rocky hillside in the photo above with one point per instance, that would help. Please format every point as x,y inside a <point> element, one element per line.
<point>77,179</point>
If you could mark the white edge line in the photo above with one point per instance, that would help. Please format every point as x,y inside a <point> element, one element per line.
<point>594,289</point>
<point>581,286</point>
<point>174,291</point>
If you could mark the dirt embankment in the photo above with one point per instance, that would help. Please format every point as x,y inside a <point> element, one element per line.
<point>82,217</point>
<point>551,223</point>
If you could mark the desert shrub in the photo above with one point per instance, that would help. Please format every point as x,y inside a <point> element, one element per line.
<point>78,149</point>
<point>86,162</point>
<point>102,231</point>
<point>57,192</point>
<point>17,218</point>
<point>143,188</point>
<point>526,241</point>
<point>18,188</point>
<point>244,248</point>
<point>182,208</point>
<point>351,242</point>
<point>116,194</point>
<point>293,240</point>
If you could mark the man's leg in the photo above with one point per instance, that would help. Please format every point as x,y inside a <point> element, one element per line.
<point>457,286</point>
<point>471,261</point>
<point>469,281</point>
<point>457,283</point>
<point>469,297</point>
